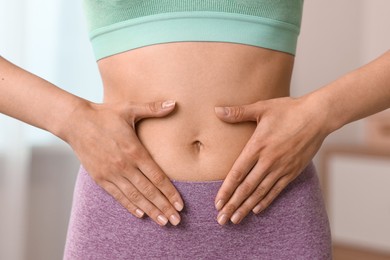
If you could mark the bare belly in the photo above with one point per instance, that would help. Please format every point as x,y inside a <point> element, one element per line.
<point>192,143</point>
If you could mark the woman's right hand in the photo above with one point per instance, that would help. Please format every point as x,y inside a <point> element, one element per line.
<point>103,137</point>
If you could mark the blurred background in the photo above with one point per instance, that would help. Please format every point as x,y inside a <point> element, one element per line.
<point>37,171</point>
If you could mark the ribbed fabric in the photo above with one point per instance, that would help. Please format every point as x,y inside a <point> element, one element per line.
<point>295,226</point>
<point>121,25</point>
<point>101,13</point>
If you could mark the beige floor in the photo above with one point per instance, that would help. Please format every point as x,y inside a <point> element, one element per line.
<point>349,253</point>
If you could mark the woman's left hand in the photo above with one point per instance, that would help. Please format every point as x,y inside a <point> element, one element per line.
<point>289,132</point>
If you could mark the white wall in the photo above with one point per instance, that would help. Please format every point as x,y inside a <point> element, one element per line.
<point>48,38</point>
<point>337,37</point>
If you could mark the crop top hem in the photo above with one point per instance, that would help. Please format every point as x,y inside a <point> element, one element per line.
<point>194,26</point>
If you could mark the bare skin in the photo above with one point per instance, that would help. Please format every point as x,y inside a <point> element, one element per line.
<point>191,143</point>
<point>290,131</point>
<point>276,134</point>
<point>105,136</point>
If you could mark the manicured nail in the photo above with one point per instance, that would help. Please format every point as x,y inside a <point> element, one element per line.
<point>219,204</point>
<point>139,213</point>
<point>223,111</point>
<point>163,220</point>
<point>178,206</point>
<point>257,209</point>
<point>236,218</point>
<point>168,104</point>
<point>174,220</point>
<point>222,219</point>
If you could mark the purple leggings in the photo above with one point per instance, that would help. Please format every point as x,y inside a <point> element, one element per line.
<point>295,226</point>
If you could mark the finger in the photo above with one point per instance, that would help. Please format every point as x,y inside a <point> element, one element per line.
<point>264,202</point>
<point>118,195</point>
<point>241,167</point>
<point>242,192</point>
<point>235,114</point>
<point>235,176</point>
<point>152,109</point>
<point>146,191</point>
<point>153,183</point>
<point>153,173</point>
<point>259,193</point>
<point>160,180</point>
<point>139,200</point>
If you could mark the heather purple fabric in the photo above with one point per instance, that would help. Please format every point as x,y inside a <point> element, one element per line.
<point>295,226</point>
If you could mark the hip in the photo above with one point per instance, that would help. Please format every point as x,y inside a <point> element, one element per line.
<point>295,225</point>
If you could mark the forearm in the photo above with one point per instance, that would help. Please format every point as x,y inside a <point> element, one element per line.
<point>33,100</point>
<point>358,94</point>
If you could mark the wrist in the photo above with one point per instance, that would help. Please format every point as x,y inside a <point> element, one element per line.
<point>321,105</point>
<point>69,124</point>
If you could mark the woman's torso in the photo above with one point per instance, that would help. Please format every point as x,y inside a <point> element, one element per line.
<point>192,143</point>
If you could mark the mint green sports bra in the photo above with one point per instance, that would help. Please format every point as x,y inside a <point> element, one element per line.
<point>116,26</point>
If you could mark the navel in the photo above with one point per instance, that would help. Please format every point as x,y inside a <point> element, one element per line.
<point>197,145</point>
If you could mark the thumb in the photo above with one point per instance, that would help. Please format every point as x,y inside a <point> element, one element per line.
<point>235,114</point>
<point>152,109</point>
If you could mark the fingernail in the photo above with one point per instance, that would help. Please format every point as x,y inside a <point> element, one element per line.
<point>223,111</point>
<point>219,204</point>
<point>139,213</point>
<point>222,219</point>
<point>257,209</point>
<point>163,220</point>
<point>174,220</point>
<point>236,218</point>
<point>178,206</point>
<point>168,104</point>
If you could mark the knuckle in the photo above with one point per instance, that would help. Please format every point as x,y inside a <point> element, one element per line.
<point>254,146</point>
<point>154,107</point>
<point>276,190</point>
<point>266,164</point>
<point>100,178</point>
<point>237,112</point>
<point>135,152</point>
<point>260,206</point>
<point>236,176</point>
<point>266,202</point>
<point>166,208</point>
<point>243,211</point>
<point>224,194</point>
<point>119,163</point>
<point>129,109</point>
<point>135,178</point>
<point>149,192</point>
<point>156,177</point>
<point>134,195</point>
<point>245,189</point>
<point>117,196</point>
<point>170,194</point>
<point>260,192</point>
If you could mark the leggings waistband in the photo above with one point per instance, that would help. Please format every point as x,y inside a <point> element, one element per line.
<point>199,196</point>
<point>294,225</point>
